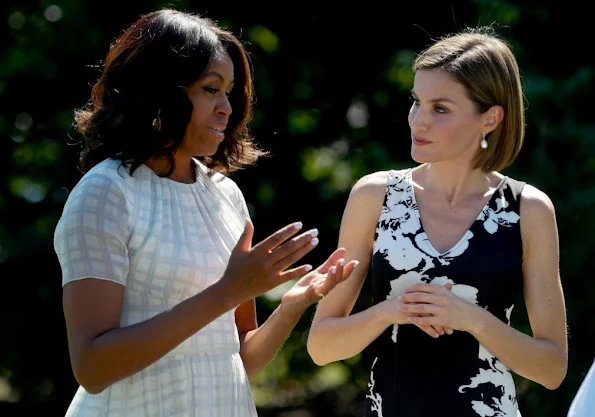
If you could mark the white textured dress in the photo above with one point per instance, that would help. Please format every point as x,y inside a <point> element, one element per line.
<point>164,241</point>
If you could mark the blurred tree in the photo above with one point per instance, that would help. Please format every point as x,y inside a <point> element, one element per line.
<point>332,106</point>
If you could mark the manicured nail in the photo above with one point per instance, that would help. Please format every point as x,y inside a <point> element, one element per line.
<point>297,225</point>
<point>314,241</point>
<point>355,264</point>
<point>333,270</point>
<point>308,268</point>
<point>314,232</point>
<point>342,261</point>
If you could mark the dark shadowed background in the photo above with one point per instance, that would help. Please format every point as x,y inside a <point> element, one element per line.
<point>332,87</point>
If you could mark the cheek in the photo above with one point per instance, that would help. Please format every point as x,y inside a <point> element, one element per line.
<point>195,118</point>
<point>449,129</point>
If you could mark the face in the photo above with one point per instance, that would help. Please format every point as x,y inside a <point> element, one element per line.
<point>211,108</point>
<point>444,122</point>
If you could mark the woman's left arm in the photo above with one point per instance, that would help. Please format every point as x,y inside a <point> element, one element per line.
<point>542,358</point>
<point>260,344</point>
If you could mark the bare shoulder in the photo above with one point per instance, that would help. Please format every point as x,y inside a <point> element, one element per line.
<point>371,184</point>
<point>538,218</point>
<point>536,205</point>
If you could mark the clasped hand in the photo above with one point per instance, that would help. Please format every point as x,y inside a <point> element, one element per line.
<point>435,309</point>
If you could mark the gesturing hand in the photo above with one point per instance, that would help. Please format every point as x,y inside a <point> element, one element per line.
<point>315,285</point>
<point>252,271</point>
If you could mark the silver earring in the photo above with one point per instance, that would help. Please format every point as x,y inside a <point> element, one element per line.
<point>157,122</point>
<point>484,142</point>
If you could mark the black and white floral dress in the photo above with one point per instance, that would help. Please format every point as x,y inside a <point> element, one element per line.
<point>413,374</point>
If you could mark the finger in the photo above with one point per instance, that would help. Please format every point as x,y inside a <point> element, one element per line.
<point>439,330</point>
<point>448,330</point>
<point>280,236</point>
<point>348,269</point>
<point>295,256</point>
<point>430,331</point>
<point>425,321</point>
<point>448,286</point>
<point>293,245</point>
<point>338,269</point>
<point>245,241</point>
<point>331,260</point>
<point>294,273</point>
<point>422,287</point>
<point>315,293</point>
<point>422,297</point>
<point>332,279</point>
<point>419,309</point>
<point>291,252</point>
<point>328,282</point>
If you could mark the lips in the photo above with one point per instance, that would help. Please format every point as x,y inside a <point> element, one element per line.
<point>218,128</point>
<point>419,141</point>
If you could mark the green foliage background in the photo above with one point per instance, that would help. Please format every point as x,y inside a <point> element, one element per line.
<point>332,85</point>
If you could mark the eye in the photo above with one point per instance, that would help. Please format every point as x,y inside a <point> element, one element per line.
<point>441,110</point>
<point>413,100</point>
<point>210,90</point>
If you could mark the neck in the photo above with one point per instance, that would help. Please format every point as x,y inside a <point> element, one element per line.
<point>184,168</point>
<point>455,181</point>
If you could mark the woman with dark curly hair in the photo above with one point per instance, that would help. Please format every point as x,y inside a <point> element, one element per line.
<point>159,273</point>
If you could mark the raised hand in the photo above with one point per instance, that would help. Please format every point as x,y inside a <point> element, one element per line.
<point>315,285</point>
<point>252,271</point>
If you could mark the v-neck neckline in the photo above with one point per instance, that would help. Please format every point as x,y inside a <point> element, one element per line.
<point>468,232</point>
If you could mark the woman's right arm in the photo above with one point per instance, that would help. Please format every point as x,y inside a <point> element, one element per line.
<point>335,334</point>
<point>102,352</point>
<point>91,246</point>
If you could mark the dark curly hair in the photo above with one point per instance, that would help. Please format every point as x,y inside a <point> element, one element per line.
<point>145,74</point>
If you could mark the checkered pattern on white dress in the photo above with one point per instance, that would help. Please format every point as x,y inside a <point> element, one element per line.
<point>164,241</point>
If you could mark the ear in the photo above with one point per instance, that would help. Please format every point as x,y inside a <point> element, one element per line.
<point>492,118</point>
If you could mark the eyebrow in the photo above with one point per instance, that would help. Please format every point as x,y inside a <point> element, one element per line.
<point>216,75</point>
<point>436,100</point>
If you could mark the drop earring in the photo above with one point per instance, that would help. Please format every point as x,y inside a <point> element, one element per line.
<point>484,142</point>
<point>157,122</point>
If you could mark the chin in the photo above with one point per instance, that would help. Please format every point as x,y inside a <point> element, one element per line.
<point>420,158</point>
<point>206,151</point>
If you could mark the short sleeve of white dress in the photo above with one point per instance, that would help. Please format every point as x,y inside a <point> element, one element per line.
<point>91,236</point>
<point>236,197</point>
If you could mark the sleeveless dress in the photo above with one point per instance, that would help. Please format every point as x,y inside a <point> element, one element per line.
<point>164,241</point>
<point>413,374</point>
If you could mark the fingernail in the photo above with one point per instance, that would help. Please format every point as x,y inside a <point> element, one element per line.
<point>308,268</point>
<point>342,261</point>
<point>297,225</point>
<point>314,232</point>
<point>314,241</point>
<point>333,270</point>
<point>355,264</point>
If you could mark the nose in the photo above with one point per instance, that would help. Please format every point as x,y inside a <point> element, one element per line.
<point>224,106</point>
<point>418,119</point>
